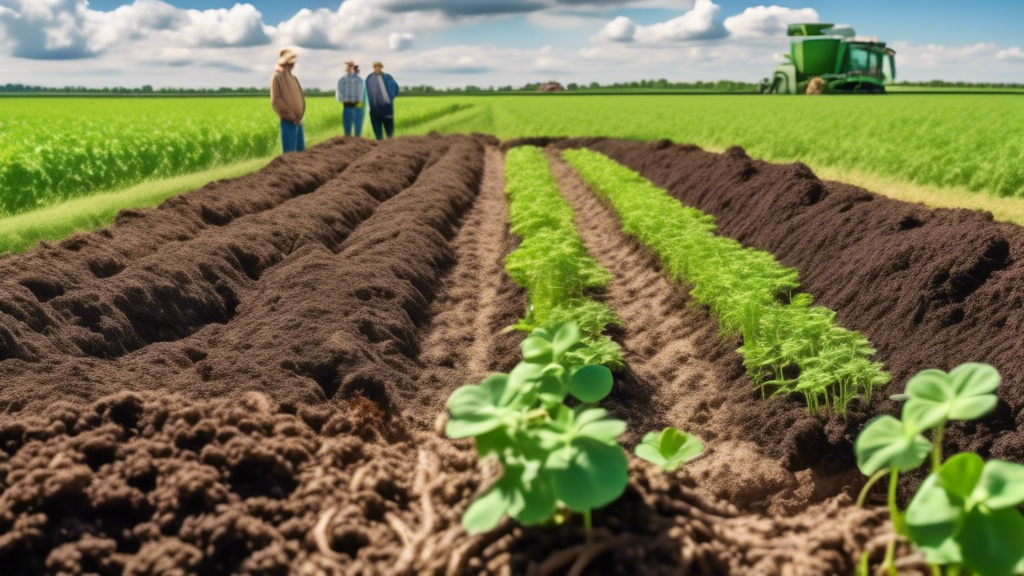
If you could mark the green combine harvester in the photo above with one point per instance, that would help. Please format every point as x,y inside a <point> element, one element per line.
<point>846,64</point>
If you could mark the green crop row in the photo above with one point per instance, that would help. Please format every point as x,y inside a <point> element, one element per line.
<point>55,149</point>
<point>551,263</point>
<point>789,346</point>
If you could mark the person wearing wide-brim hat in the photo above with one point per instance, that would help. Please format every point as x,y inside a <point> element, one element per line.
<point>289,103</point>
<point>352,93</point>
<point>381,91</point>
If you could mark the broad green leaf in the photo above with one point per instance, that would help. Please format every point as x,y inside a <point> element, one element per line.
<point>534,498</point>
<point>591,383</point>
<point>583,415</point>
<point>537,350</point>
<point>933,518</point>
<point>992,542</point>
<point>486,511</point>
<point>567,336</point>
<point>478,409</point>
<point>494,442</point>
<point>550,390</point>
<point>960,474</point>
<point>885,443</point>
<point>963,394</point>
<point>1001,485</point>
<point>606,431</point>
<point>670,448</point>
<point>524,380</point>
<point>595,475</point>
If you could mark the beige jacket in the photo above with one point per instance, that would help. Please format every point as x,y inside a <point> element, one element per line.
<point>286,96</point>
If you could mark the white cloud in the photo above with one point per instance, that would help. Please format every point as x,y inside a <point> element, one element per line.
<point>621,29</point>
<point>700,23</point>
<point>766,21</point>
<point>1014,54</point>
<point>46,28</point>
<point>563,20</point>
<point>400,41</point>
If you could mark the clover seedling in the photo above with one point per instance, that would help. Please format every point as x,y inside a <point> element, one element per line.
<point>933,397</point>
<point>965,513</point>
<point>669,448</point>
<point>550,453</point>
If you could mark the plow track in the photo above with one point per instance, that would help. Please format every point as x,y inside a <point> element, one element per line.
<point>248,379</point>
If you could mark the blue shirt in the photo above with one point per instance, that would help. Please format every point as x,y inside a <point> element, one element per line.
<point>376,96</point>
<point>350,88</point>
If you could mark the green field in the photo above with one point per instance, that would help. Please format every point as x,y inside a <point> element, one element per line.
<point>69,163</point>
<point>962,141</point>
<point>55,149</point>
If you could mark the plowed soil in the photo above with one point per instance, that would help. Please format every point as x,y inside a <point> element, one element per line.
<point>248,379</point>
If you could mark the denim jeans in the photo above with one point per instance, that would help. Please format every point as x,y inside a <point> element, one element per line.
<point>383,121</point>
<point>353,119</point>
<point>292,137</point>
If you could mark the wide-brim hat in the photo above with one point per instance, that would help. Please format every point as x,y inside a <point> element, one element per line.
<point>287,57</point>
<point>349,63</point>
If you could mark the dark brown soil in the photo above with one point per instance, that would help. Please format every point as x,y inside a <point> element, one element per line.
<point>247,379</point>
<point>929,288</point>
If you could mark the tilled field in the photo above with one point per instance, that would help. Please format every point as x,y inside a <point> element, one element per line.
<point>248,378</point>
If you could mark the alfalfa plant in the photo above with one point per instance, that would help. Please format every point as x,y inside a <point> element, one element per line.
<point>669,448</point>
<point>964,517</point>
<point>551,454</point>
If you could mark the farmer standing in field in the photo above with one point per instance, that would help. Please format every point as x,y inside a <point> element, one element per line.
<point>352,93</point>
<point>382,90</point>
<point>289,103</point>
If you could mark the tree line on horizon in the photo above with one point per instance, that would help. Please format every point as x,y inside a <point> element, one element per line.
<point>659,84</point>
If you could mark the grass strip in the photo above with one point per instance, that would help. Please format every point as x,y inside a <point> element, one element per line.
<point>789,346</point>
<point>551,263</point>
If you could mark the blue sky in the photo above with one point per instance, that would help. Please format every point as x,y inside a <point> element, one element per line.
<point>485,42</point>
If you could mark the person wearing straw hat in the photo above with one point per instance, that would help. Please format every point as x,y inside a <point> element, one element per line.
<point>352,93</point>
<point>289,103</point>
<point>381,90</point>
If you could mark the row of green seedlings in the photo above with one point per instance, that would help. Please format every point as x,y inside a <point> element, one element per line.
<point>965,517</point>
<point>554,457</point>
<point>551,263</point>
<point>789,346</point>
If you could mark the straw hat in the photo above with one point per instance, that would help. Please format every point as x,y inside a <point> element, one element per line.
<point>378,64</point>
<point>349,63</point>
<point>287,57</point>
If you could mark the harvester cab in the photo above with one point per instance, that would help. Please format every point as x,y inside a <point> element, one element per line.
<point>844,62</point>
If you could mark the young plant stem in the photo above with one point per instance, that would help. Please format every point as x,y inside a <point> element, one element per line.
<point>867,487</point>
<point>894,511</point>
<point>588,524</point>
<point>937,447</point>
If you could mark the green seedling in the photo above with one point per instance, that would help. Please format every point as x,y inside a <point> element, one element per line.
<point>789,346</point>
<point>669,448</point>
<point>934,397</point>
<point>551,454</point>
<point>964,515</point>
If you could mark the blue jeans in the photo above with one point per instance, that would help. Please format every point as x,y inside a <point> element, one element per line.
<point>292,137</point>
<point>383,120</point>
<point>353,118</point>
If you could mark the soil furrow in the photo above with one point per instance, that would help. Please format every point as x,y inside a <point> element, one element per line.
<point>207,283</point>
<point>929,288</point>
<point>460,346</point>
<point>137,233</point>
<point>681,374</point>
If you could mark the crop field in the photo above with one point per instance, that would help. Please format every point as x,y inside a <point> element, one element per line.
<point>105,144</point>
<point>973,143</point>
<point>354,361</point>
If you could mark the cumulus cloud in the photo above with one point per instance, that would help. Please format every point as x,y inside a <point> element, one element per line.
<point>621,29</point>
<point>1014,54</point>
<point>767,21</point>
<point>399,41</point>
<point>463,7</point>
<point>55,29</point>
<point>699,23</point>
<point>60,29</point>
